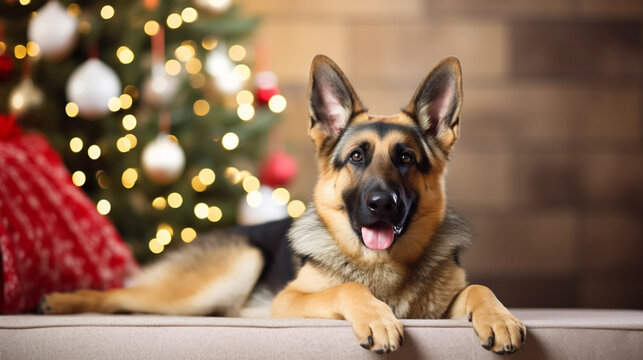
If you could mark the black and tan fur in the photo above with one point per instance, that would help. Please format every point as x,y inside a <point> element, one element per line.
<point>375,172</point>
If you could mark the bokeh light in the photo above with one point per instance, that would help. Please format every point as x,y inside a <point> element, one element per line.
<point>250,183</point>
<point>94,152</point>
<point>201,210</point>
<point>207,176</point>
<point>277,104</point>
<point>151,27</point>
<point>237,52</point>
<point>214,214</point>
<point>129,177</point>
<point>189,15</point>
<point>201,107</point>
<point>188,234</point>
<point>103,206</point>
<point>76,144</point>
<point>155,246</point>
<point>174,21</point>
<point>125,55</point>
<point>175,200</point>
<point>129,122</point>
<point>107,12</point>
<point>245,112</point>
<point>296,208</point>
<point>280,196</point>
<point>230,141</point>
<point>159,203</point>
<point>78,178</point>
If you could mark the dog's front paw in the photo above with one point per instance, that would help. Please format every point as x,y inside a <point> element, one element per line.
<point>376,327</point>
<point>498,330</point>
<point>66,303</point>
<point>54,303</point>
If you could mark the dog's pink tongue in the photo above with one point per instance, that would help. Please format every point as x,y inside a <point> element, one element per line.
<point>378,237</point>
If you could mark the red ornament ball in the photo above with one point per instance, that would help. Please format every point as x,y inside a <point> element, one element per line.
<point>278,169</point>
<point>6,66</point>
<point>264,95</point>
<point>266,87</point>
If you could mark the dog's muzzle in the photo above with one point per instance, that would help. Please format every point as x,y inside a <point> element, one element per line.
<point>380,218</point>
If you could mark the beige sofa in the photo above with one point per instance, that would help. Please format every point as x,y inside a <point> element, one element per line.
<point>552,334</point>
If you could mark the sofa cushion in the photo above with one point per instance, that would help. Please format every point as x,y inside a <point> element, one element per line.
<point>552,334</point>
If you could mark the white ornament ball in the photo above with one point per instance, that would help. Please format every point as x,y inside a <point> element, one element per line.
<point>91,86</point>
<point>163,160</point>
<point>266,80</point>
<point>219,65</point>
<point>229,83</point>
<point>54,30</point>
<point>159,88</point>
<point>24,97</point>
<point>217,6</point>
<point>258,207</point>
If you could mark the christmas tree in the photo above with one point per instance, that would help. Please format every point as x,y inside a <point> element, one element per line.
<point>160,109</point>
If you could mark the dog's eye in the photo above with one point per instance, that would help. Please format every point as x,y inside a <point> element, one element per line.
<point>357,156</point>
<point>406,158</point>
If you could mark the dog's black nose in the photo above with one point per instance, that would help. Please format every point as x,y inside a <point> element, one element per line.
<point>381,203</point>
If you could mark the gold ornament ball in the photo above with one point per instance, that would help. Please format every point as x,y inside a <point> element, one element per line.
<point>24,97</point>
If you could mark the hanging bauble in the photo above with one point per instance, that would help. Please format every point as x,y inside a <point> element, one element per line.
<point>163,160</point>
<point>6,65</point>
<point>278,169</point>
<point>259,207</point>
<point>219,65</point>
<point>216,6</point>
<point>159,88</point>
<point>266,82</point>
<point>54,30</point>
<point>24,97</point>
<point>91,86</point>
<point>229,83</point>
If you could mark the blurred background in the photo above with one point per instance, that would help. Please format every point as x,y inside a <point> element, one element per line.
<point>549,169</point>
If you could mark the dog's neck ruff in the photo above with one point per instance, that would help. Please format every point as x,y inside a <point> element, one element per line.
<point>310,239</point>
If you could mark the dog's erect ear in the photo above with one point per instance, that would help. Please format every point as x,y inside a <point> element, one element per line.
<point>437,101</point>
<point>331,98</point>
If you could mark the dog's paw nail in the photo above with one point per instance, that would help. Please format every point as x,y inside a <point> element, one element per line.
<point>379,351</point>
<point>401,340</point>
<point>370,341</point>
<point>509,348</point>
<point>522,335</point>
<point>470,316</point>
<point>365,346</point>
<point>491,341</point>
<point>500,352</point>
<point>486,347</point>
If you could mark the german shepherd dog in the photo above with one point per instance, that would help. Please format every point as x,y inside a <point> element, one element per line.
<point>377,244</point>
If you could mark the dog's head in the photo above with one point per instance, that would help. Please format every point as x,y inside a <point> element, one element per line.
<point>381,178</point>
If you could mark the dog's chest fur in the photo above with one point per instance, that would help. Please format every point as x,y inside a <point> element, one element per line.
<point>423,289</point>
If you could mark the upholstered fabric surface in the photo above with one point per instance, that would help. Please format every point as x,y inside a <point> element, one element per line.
<point>552,334</point>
